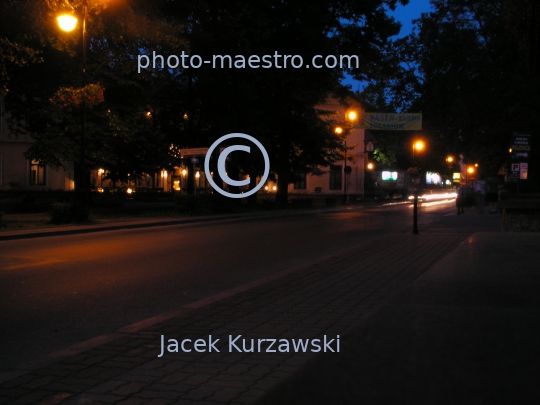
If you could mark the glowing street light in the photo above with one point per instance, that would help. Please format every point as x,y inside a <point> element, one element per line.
<point>417,145</point>
<point>67,22</point>
<point>352,115</point>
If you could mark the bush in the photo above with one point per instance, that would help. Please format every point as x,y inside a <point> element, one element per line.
<point>63,213</point>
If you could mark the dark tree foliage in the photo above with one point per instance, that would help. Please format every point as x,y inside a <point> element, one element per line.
<point>472,68</point>
<point>276,105</point>
<point>144,113</point>
<point>120,135</point>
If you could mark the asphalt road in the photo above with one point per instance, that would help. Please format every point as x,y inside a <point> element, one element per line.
<point>59,291</point>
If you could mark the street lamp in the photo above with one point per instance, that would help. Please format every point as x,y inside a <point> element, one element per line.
<point>470,171</point>
<point>67,23</point>
<point>417,146</point>
<point>351,116</point>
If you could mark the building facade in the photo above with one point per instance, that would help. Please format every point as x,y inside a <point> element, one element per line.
<point>18,172</point>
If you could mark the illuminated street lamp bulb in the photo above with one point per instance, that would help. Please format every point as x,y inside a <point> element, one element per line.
<point>66,22</point>
<point>274,188</point>
<point>470,170</point>
<point>419,145</point>
<point>338,130</point>
<point>449,159</point>
<point>266,188</point>
<point>352,115</point>
<point>476,165</point>
<point>184,172</point>
<point>197,175</point>
<point>370,166</point>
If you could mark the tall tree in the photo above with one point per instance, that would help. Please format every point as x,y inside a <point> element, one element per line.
<point>471,67</point>
<point>125,132</point>
<point>276,105</point>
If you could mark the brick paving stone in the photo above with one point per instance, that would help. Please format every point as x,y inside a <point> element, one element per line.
<point>31,397</point>
<point>129,388</point>
<point>132,401</point>
<point>160,401</point>
<point>55,399</point>
<point>175,378</point>
<point>224,395</point>
<point>106,387</point>
<point>155,394</point>
<point>237,384</point>
<point>21,380</point>
<point>198,379</point>
<point>38,382</point>
<point>14,392</point>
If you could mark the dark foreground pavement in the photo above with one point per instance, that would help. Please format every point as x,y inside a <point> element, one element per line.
<point>466,332</point>
<point>447,316</point>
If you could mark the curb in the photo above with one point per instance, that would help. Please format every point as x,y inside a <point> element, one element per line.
<point>38,233</point>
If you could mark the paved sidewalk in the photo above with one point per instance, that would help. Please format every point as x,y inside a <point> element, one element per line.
<point>466,332</point>
<point>336,296</point>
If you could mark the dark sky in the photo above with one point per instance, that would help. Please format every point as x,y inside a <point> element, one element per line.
<point>412,11</point>
<point>405,15</point>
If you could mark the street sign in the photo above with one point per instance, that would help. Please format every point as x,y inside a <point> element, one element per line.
<point>523,171</point>
<point>514,170</point>
<point>194,160</point>
<point>391,121</point>
<point>522,154</point>
<point>521,143</point>
<point>193,152</point>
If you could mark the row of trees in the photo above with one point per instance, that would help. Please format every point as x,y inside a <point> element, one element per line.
<point>133,118</point>
<point>472,67</point>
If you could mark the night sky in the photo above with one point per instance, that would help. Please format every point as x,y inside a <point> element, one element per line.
<point>405,15</point>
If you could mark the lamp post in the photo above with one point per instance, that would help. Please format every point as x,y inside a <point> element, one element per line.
<point>68,23</point>
<point>417,145</point>
<point>470,171</point>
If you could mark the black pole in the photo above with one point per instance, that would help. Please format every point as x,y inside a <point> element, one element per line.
<point>415,213</point>
<point>84,175</point>
<point>415,200</point>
